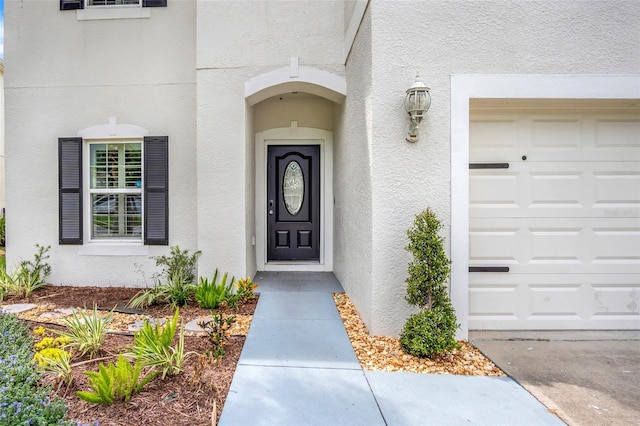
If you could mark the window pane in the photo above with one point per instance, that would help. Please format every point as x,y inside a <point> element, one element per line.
<point>111,2</point>
<point>133,165</point>
<point>104,215</point>
<point>116,215</point>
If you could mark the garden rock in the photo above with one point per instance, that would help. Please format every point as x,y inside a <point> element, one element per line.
<point>18,308</point>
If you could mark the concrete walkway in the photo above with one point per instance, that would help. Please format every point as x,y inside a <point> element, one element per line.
<point>298,368</point>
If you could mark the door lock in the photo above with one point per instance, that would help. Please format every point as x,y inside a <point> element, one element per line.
<point>270,207</point>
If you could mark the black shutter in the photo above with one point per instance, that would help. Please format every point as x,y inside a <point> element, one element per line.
<point>71,4</point>
<point>156,190</point>
<point>70,190</point>
<point>154,3</point>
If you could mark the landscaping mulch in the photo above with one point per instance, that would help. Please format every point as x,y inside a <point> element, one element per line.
<point>196,395</point>
<point>193,397</point>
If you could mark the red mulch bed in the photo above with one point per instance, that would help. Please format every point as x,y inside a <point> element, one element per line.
<point>187,398</point>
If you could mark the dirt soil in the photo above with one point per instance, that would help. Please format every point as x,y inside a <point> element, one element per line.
<point>196,396</point>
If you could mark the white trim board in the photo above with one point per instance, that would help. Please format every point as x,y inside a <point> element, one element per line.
<point>466,87</point>
<point>297,136</point>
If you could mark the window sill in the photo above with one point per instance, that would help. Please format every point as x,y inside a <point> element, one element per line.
<point>113,249</point>
<point>111,12</point>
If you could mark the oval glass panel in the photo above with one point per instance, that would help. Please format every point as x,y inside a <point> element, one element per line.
<point>293,187</point>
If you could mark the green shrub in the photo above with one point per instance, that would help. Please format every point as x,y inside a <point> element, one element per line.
<point>210,294</point>
<point>22,400</point>
<point>432,329</point>
<point>115,382</point>
<point>430,332</point>
<point>216,330</point>
<point>175,285</point>
<point>28,277</point>
<point>86,332</point>
<point>179,264</point>
<point>152,346</point>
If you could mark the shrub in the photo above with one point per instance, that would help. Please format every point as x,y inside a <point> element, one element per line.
<point>86,333</point>
<point>28,277</point>
<point>175,284</point>
<point>430,332</point>
<point>245,288</point>
<point>432,329</point>
<point>217,329</point>
<point>152,346</point>
<point>115,382</point>
<point>22,401</point>
<point>210,294</point>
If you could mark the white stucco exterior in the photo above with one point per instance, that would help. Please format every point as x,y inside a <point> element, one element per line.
<point>213,75</point>
<point>2,190</point>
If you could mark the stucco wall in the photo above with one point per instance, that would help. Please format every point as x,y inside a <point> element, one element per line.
<point>2,178</point>
<point>237,41</point>
<point>352,177</point>
<point>65,75</point>
<point>496,37</point>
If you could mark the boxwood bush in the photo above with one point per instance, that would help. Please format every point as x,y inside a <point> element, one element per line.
<point>22,400</point>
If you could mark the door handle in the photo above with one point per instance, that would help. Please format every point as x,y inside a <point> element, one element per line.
<point>270,207</point>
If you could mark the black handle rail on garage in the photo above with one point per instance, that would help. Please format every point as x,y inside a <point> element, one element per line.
<point>488,269</point>
<point>488,165</point>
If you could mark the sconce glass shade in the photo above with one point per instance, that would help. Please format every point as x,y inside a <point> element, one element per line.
<point>417,103</point>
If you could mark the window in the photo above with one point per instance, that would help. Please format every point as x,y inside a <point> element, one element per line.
<point>113,2</point>
<point>80,4</point>
<point>127,190</point>
<point>115,190</point>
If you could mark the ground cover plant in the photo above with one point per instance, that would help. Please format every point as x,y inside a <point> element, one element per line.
<point>22,399</point>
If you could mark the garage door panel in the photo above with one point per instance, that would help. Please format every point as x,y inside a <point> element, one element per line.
<point>556,190</point>
<point>556,245</point>
<point>617,133</point>
<point>563,214</point>
<point>560,301</point>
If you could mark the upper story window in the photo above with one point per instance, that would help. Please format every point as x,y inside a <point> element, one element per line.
<point>114,2</point>
<point>81,4</point>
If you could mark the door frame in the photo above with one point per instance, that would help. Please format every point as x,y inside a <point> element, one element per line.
<point>295,136</point>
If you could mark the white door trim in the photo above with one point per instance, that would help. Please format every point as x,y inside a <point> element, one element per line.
<point>298,136</point>
<point>466,87</point>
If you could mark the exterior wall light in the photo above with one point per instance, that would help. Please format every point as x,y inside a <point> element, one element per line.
<point>417,103</point>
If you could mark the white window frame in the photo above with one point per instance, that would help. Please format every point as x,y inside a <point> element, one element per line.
<point>89,192</point>
<point>111,247</point>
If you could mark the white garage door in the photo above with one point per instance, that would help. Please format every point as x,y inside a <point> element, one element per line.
<point>554,219</point>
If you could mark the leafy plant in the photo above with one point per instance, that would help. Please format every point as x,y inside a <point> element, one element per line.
<point>245,289</point>
<point>179,264</point>
<point>175,284</point>
<point>28,277</point>
<point>56,364</point>
<point>210,294</point>
<point>86,332</point>
<point>22,399</point>
<point>115,382</point>
<point>217,330</point>
<point>152,346</point>
<point>2,230</point>
<point>432,329</point>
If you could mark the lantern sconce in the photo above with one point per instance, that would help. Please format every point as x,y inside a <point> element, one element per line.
<point>417,104</point>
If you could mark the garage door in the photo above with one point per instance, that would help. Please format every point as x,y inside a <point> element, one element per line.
<point>554,219</point>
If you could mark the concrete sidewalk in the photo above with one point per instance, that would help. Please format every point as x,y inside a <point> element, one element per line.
<point>298,368</point>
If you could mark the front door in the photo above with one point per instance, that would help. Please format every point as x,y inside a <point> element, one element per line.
<point>293,202</point>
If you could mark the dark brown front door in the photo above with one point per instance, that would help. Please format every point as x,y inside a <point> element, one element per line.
<point>293,202</point>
